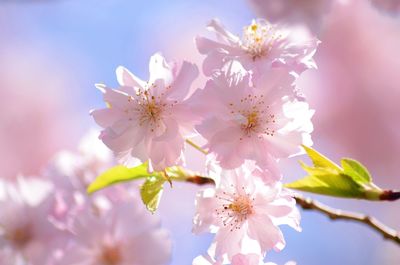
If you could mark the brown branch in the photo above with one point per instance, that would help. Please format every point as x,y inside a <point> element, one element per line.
<point>336,214</point>
<point>200,180</point>
<point>390,195</point>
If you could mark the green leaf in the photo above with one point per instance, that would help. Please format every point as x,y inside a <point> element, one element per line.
<point>118,174</point>
<point>325,177</point>
<point>151,192</point>
<point>356,170</point>
<point>317,170</point>
<point>320,160</point>
<point>329,184</point>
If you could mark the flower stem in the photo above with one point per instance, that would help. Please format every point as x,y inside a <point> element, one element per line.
<point>197,147</point>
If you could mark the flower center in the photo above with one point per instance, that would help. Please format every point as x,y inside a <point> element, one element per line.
<point>254,116</point>
<point>258,38</point>
<point>20,236</point>
<point>110,255</point>
<point>236,208</point>
<point>149,109</point>
<point>252,122</point>
<point>241,206</point>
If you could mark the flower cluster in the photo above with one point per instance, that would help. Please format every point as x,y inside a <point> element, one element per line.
<point>51,221</point>
<point>249,112</point>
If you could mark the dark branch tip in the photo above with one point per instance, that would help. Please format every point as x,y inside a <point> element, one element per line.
<point>389,195</point>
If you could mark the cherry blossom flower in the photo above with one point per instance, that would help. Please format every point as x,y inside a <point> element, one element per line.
<point>148,121</point>
<point>260,123</point>
<point>26,234</point>
<point>350,93</point>
<point>72,172</point>
<point>35,120</point>
<point>388,6</point>
<point>244,212</point>
<point>7,257</point>
<point>305,12</point>
<point>263,46</point>
<point>238,259</point>
<point>124,235</point>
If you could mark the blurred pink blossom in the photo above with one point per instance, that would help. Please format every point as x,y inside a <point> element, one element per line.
<point>33,114</point>
<point>238,259</point>
<point>126,234</point>
<point>305,12</point>
<point>72,172</point>
<point>389,6</point>
<point>355,91</point>
<point>26,234</point>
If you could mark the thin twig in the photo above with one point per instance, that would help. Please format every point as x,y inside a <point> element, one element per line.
<point>196,146</point>
<point>336,214</point>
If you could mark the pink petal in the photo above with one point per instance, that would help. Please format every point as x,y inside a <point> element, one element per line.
<point>159,69</point>
<point>228,242</point>
<point>106,117</point>
<point>216,26</point>
<point>120,142</point>
<point>204,218</point>
<point>165,153</point>
<point>137,250</point>
<point>126,78</point>
<point>249,259</point>
<point>214,61</point>
<point>183,81</point>
<point>115,98</point>
<point>265,232</point>
<point>283,146</point>
<point>205,45</point>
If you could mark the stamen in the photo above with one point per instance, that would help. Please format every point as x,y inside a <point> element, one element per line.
<point>237,209</point>
<point>147,108</point>
<point>19,236</point>
<point>259,38</point>
<point>110,255</point>
<point>254,115</point>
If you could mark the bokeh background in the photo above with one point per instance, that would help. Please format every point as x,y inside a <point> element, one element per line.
<point>53,51</point>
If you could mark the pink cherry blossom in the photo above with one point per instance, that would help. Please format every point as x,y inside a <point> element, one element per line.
<point>72,172</point>
<point>125,235</point>
<point>35,120</point>
<point>389,6</point>
<point>263,46</point>
<point>256,123</point>
<point>244,212</point>
<point>352,96</point>
<point>7,257</point>
<point>238,259</point>
<point>148,121</point>
<point>26,234</point>
<point>76,170</point>
<point>253,259</point>
<point>307,12</point>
